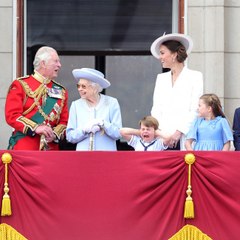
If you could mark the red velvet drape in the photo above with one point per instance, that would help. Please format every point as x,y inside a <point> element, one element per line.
<point>121,195</point>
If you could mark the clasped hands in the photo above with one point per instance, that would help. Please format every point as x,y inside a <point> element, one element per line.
<point>173,140</point>
<point>93,126</point>
<point>47,131</point>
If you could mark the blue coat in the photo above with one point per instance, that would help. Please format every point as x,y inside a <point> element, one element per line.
<point>80,114</point>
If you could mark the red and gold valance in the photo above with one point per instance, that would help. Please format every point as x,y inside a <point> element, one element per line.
<point>121,195</point>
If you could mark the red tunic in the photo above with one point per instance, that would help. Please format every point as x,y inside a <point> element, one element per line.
<point>24,96</point>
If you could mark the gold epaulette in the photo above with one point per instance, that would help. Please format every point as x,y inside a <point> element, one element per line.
<point>59,84</point>
<point>24,77</point>
<point>29,91</point>
<point>17,79</point>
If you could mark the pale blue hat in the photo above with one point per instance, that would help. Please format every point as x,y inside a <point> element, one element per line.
<point>91,75</point>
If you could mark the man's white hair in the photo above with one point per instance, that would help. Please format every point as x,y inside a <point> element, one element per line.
<point>43,54</point>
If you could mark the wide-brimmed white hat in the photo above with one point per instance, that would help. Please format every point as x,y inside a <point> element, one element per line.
<point>91,75</point>
<point>185,40</point>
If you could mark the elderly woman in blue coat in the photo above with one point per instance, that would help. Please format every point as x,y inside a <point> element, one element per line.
<point>94,119</point>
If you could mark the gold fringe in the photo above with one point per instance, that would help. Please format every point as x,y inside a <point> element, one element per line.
<point>9,233</point>
<point>6,202</point>
<point>189,205</point>
<point>190,232</point>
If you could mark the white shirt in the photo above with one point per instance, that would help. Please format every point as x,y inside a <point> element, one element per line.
<point>155,145</point>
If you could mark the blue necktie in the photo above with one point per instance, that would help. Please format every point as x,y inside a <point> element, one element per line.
<point>146,147</point>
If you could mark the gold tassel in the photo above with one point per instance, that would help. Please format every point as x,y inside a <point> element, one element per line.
<point>9,233</point>
<point>189,206</point>
<point>6,203</point>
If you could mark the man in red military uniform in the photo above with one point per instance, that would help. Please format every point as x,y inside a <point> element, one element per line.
<point>36,106</point>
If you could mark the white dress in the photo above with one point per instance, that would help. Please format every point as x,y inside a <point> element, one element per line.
<point>175,107</point>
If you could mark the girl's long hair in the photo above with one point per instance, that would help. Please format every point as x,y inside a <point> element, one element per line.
<point>213,101</point>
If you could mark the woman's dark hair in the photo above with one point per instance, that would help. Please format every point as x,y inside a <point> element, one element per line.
<point>175,46</point>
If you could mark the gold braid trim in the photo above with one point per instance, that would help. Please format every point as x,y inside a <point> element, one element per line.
<point>37,94</point>
<point>27,124</point>
<point>59,130</point>
<point>62,104</point>
<point>28,90</point>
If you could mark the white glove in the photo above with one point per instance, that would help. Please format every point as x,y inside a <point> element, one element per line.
<point>98,122</point>
<point>95,129</point>
<point>87,128</point>
<point>93,126</point>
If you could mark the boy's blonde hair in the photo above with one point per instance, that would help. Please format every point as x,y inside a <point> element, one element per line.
<point>149,121</point>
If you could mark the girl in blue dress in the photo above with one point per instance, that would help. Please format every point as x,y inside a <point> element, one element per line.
<point>211,130</point>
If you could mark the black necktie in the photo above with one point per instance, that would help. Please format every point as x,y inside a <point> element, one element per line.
<point>146,147</point>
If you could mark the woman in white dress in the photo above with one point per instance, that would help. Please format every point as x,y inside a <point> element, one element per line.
<point>177,92</point>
